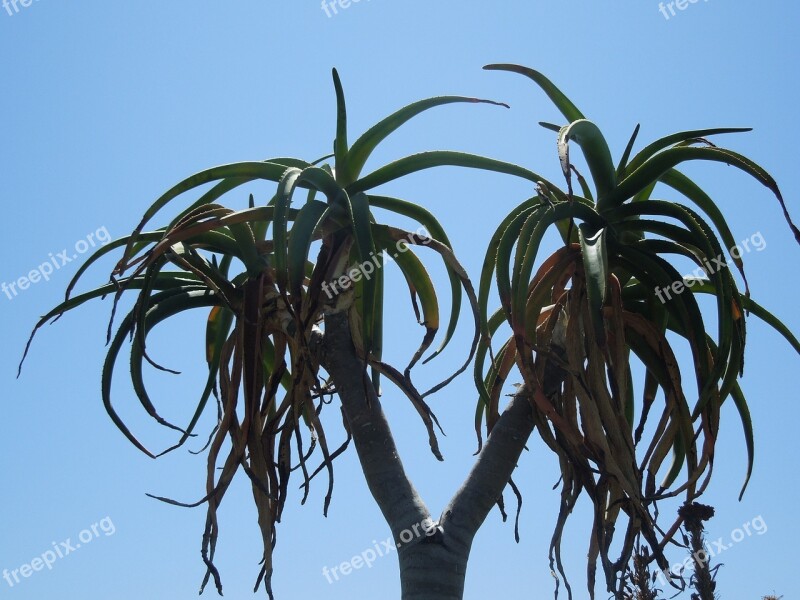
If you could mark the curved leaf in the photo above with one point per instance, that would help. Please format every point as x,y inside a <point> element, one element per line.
<point>595,149</point>
<point>363,146</point>
<point>438,158</point>
<point>676,138</point>
<point>595,261</point>
<point>567,108</point>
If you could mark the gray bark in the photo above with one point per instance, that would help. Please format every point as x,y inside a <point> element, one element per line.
<point>433,562</point>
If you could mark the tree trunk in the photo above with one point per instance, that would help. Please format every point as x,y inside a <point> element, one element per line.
<point>430,570</point>
<point>432,554</point>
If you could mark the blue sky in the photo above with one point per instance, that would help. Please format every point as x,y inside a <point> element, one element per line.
<point>106,105</point>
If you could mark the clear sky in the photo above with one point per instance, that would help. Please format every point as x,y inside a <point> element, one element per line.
<point>106,104</point>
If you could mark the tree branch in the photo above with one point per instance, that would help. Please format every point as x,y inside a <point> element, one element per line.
<point>394,493</point>
<point>472,502</point>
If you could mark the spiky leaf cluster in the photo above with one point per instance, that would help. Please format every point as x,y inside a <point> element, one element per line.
<point>580,316</point>
<point>267,296</point>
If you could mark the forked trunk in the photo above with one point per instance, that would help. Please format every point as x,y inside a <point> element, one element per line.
<point>431,571</point>
<point>433,554</point>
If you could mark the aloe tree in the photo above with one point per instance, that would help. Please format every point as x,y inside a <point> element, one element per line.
<point>294,291</point>
<point>597,306</point>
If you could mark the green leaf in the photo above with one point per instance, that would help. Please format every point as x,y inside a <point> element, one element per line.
<point>567,108</point>
<point>363,146</point>
<point>216,336</point>
<point>144,239</point>
<point>750,305</point>
<point>447,254</point>
<point>435,229</point>
<point>361,219</point>
<point>595,261</point>
<point>283,199</point>
<point>655,273</point>
<point>313,177</point>
<point>596,151</point>
<point>509,230</point>
<point>305,226</point>
<point>340,143</point>
<point>238,173</point>
<point>747,426</point>
<point>509,237</point>
<point>678,460</point>
<point>707,241</point>
<point>320,178</point>
<point>377,337</point>
<point>420,286</point>
<point>438,158</point>
<point>246,241</point>
<point>676,138</point>
<point>528,247</point>
<point>682,184</point>
<point>657,166</point>
<point>491,327</point>
<point>623,162</point>
<point>164,281</point>
<point>163,305</point>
